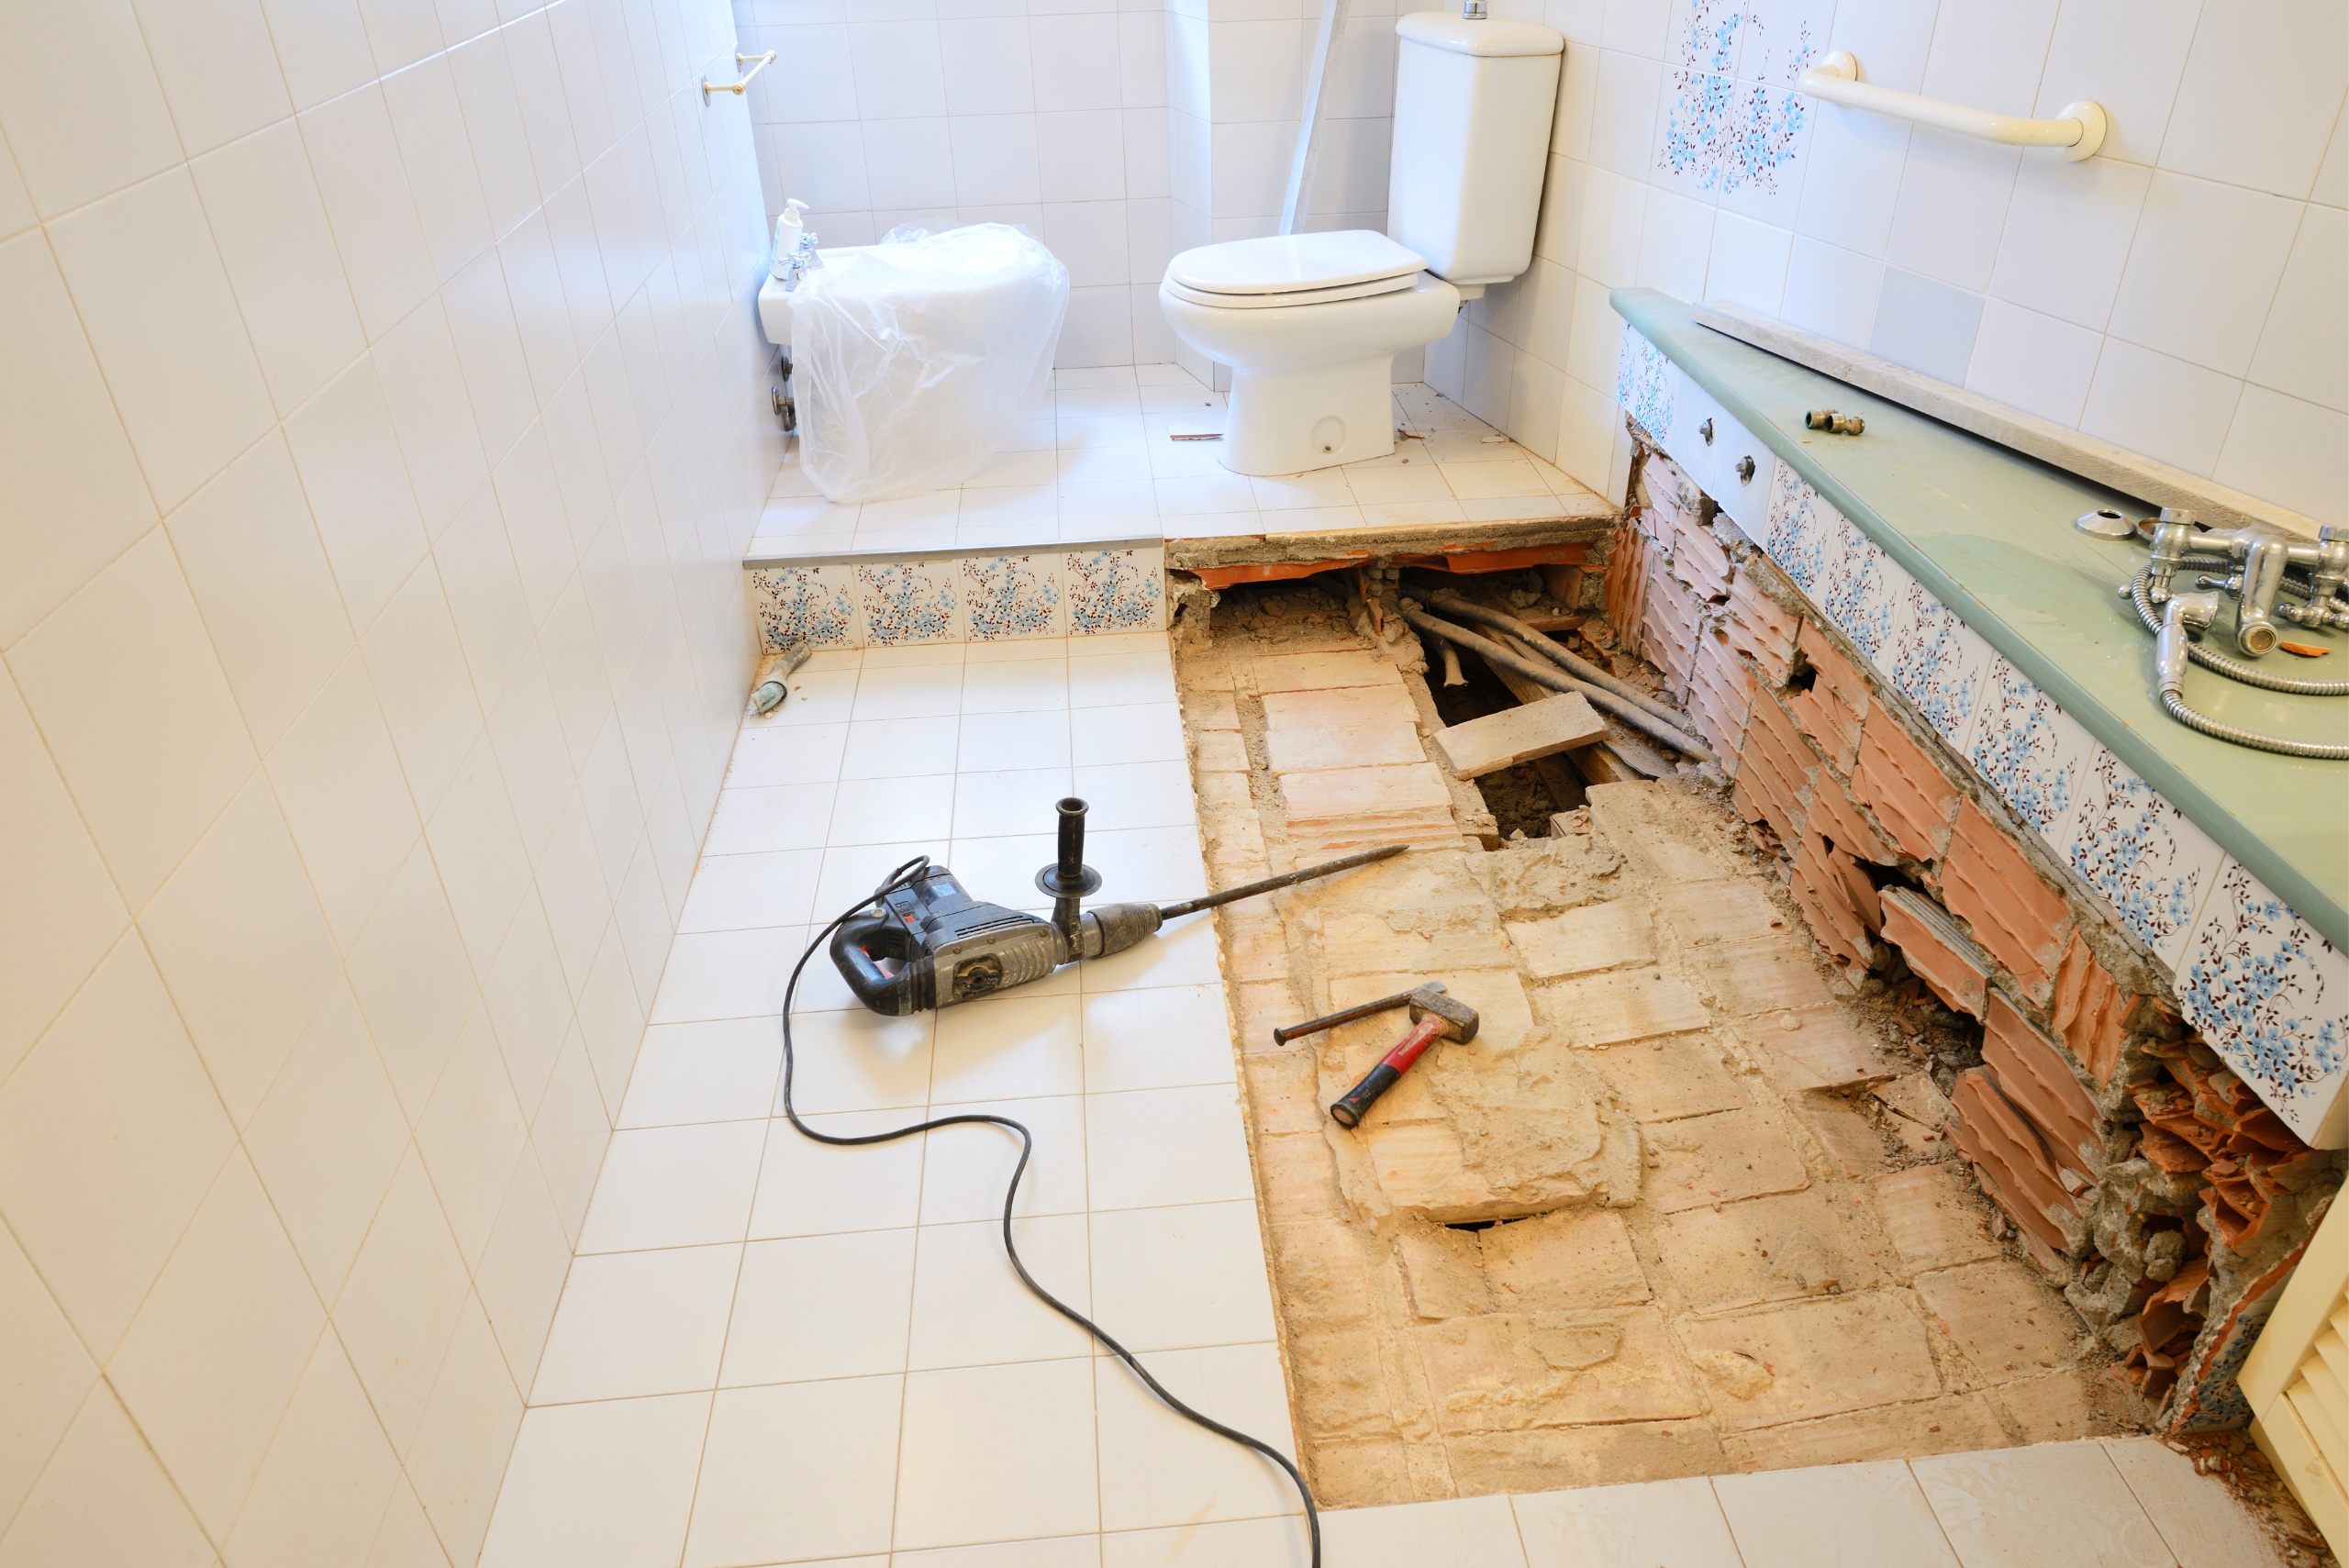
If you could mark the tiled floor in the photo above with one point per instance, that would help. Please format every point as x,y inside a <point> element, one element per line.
<point>1096,462</point>
<point>773,1352</point>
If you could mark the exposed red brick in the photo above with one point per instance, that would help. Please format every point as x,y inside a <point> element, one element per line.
<point>1774,768</point>
<point>1832,814</point>
<point>1826,905</point>
<point>1698,557</point>
<point>1936,950</point>
<point>1899,783</point>
<point>1757,627</point>
<point>1627,586</point>
<point>1830,711</point>
<point>2016,913</point>
<point>1668,636</point>
<point>2030,1070</point>
<point>1720,695</point>
<point>1997,1140</point>
<point>2090,1011</point>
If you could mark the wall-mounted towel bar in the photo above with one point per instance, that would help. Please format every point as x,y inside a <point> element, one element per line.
<point>2079,131</point>
<point>762,62</point>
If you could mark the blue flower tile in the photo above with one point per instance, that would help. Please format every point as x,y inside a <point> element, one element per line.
<point>1797,526</point>
<point>811,604</point>
<point>1117,589</point>
<point>1860,590</point>
<point>909,602</point>
<point>1007,596</point>
<point>2137,849</point>
<point>2031,752</point>
<point>1937,663</point>
<point>1644,384</point>
<point>2271,996</point>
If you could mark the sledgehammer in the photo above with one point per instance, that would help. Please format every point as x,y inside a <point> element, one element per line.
<point>1435,1015</point>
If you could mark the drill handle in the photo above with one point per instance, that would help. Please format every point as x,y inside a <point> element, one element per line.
<point>854,948</point>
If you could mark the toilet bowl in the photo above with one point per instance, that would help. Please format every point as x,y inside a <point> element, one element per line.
<point>1310,325</point>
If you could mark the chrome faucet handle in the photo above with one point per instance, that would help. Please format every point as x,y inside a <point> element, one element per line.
<point>2188,616</point>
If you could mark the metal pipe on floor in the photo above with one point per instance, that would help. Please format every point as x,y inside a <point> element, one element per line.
<point>1572,663</point>
<point>1558,680</point>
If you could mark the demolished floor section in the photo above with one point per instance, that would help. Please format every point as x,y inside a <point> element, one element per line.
<point>1678,1208</point>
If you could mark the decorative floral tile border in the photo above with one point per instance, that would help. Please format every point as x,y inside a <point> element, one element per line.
<point>952,597</point>
<point>2265,990</point>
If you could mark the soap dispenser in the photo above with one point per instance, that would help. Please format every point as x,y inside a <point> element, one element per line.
<point>786,238</point>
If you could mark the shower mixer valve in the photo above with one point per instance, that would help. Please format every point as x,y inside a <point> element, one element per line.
<point>2270,575</point>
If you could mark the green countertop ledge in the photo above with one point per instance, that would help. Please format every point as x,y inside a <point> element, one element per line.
<point>1989,531</point>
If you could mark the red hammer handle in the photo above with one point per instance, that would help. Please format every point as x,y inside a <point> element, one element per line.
<point>1348,1111</point>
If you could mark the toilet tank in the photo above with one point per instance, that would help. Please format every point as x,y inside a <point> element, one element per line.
<point>1472,102</point>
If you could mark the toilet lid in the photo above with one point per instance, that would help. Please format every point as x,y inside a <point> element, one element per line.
<point>1295,265</point>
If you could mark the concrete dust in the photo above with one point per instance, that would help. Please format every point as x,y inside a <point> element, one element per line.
<point>1681,1206</point>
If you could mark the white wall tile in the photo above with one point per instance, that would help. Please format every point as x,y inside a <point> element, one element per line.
<point>191,397</point>
<point>2194,300</point>
<point>1925,324</point>
<point>471,1136</point>
<point>400,1307</point>
<point>1255,70</point>
<point>1080,156</point>
<point>219,68</point>
<point>2304,348</point>
<point>136,628</point>
<point>48,1370</point>
<point>2127,56</point>
<point>348,451</point>
<point>2333,178</point>
<point>2290,450</point>
<point>1954,195</point>
<point>1624,113</point>
<point>492,117</point>
<point>356,158</point>
<point>319,1494</point>
<point>1749,263</point>
<point>424,387</point>
<point>1831,291</point>
<point>898,71</point>
<point>220,1346</point>
<point>538,88</point>
<point>2159,405</point>
<point>1675,240</point>
<point>322,46</point>
<point>2260,96</point>
<point>73,145</point>
<point>1613,212</point>
<point>339,779</point>
<point>103,1498</point>
<point>2066,236</point>
<point>987,65</point>
<point>110,1135</point>
<point>2035,362</point>
<point>429,126</point>
<point>1851,188</point>
<point>994,160</point>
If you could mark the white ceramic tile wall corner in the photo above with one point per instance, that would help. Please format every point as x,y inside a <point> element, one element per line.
<point>2271,997</point>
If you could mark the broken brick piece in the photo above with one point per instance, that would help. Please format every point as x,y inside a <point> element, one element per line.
<point>1774,771</point>
<point>1940,954</point>
<point>1831,813</point>
<point>1759,628</point>
<point>1323,672</point>
<point>1826,905</point>
<point>1668,634</point>
<point>2032,1072</point>
<point>1354,746</point>
<point>2015,913</point>
<point>1831,710</point>
<point>1896,780</point>
<point>1627,585</point>
<point>2090,1011</point>
<point>1992,1134</point>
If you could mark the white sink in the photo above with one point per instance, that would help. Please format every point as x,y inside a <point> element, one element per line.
<point>774,300</point>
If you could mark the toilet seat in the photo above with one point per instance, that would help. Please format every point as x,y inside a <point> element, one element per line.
<point>1291,269</point>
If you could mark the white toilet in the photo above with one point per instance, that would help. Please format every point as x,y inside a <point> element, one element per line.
<point>1311,323</point>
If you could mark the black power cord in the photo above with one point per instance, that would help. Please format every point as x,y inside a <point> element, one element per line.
<point>904,875</point>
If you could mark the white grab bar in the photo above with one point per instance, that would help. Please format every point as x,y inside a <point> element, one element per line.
<point>1836,79</point>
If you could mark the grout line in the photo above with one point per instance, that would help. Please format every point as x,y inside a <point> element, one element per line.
<point>1931,1508</point>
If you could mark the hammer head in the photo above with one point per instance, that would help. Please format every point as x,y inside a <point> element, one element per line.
<point>1431,1001</point>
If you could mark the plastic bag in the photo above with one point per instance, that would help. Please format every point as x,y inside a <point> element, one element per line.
<point>918,360</point>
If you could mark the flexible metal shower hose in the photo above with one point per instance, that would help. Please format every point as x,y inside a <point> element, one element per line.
<point>2176,704</point>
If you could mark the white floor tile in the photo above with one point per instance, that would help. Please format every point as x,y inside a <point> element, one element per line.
<point>966,1168</point>
<point>970,1308</point>
<point>730,893</point>
<point>1028,685</point>
<point>817,697</point>
<point>1116,680</point>
<point>776,816</point>
<point>886,811</point>
<point>1461,1532</point>
<point>1158,1469</point>
<point>857,1061</point>
<point>604,1484</point>
<point>1008,742</point>
<point>1244,1543</point>
<point>821,1306</point>
<point>1062,1551</point>
<point>900,748</point>
<point>1871,1512</point>
<point>727,975</point>
<point>1674,1524</point>
<point>1015,1046</point>
<point>795,1472</point>
<point>912,692</point>
<point>1013,649</point>
<point>724,1070</point>
<point>1153,1147</point>
<point>806,1188</point>
<point>794,754</point>
<point>998,1453</point>
<point>852,871</point>
<point>988,804</point>
<point>674,1186</point>
<point>634,1323</point>
<point>1163,1038</point>
<point>2198,1518</point>
<point>2051,1505</point>
<point>1183,953</point>
<point>1183,1277</point>
<point>1136,795</point>
<point>1141,732</point>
